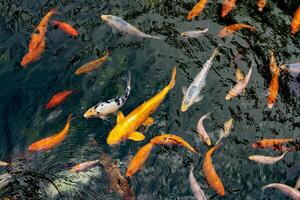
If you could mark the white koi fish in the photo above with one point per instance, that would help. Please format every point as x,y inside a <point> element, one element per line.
<point>84,166</point>
<point>226,130</point>
<point>194,34</point>
<point>123,26</point>
<point>201,131</point>
<point>191,95</point>
<point>287,190</point>
<point>268,160</point>
<point>291,68</point>
<point>198,192</point>
<point>102,109</point>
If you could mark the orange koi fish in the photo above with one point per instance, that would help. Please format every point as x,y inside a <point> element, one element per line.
<point>296,22</point>
<point>84,166</point>
<point>169,139</point>
<point>273,89</point>
<point>35,41</point>
<point>197,9</point>
<point>52,141</point>
<point>58,99</point>
<point>34,54</point>
<point>271,143</point>
<point>126,126</point>
<point>91,66</point>
<point>210,173</point>
<point>261,4</point>
<point>228,5</point>
<point>228,30</point>
<point>43,25</point>
<point>66,28</point>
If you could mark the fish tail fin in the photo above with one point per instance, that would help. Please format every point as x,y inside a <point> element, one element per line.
<point>216,51</point>
<point>253,29</point>
<point>128,79</point>
<point>208,115</point>
<point>217,146</point>
<point>70,117</point>
<point>173,78</point>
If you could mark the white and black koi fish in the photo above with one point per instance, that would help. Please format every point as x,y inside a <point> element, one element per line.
<point>102,109</point>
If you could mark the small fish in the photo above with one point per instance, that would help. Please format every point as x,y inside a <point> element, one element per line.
<point>287,190</point>
<point>84,166</point>
<point>92,65</point>
<point>228,5</point>
<point>139,159</point>
<point>191,95</point>
<point>3,164</point>
<point>291,68</point>
<point>229,30</point>
<point>197,9</point>
<point>226,130</point>
<point>271,143</point>
<point>33,55</point>
<point>52,141</point>
<point>58,98</point>
<point>123,26</point>
<point>198,192</point>
<point>169,139</point>
<point>126,126</point>
<point>102,109</point>
<point>268,160</point>
<point>210,173</point>
<point>295,25</point>
<point>66,28</point>
<point>261,4</point>
<point>201,131</point>
<point>194,34</point>
<point>118,183</point>
<point>297,185</point>
<point>239,88</point>
<point>239,75</point>
<point>272,65</point>
<point>273,89</point>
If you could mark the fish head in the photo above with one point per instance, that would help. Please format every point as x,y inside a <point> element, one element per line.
<point>184,34</point>
<point>207,141</point>
<point>116,135</point>
<point>106,18</point>
<point>271,103</point>
<point>90,113</point>
<point>185,105</point>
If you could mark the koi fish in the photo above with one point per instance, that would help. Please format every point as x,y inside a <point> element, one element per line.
<point>194,34</point>
<point>296,22</point>
<point>66,28</point>
<point>102,109</point>
<point>272,65</point>
<point>201,131</point>
<point>43,25</point>
<point>228,30</point>
<point>126,126</point>
<point>226,130</point>
<point>84,166</point>
<point>269,160</point>
<point>210,173</point>
<point>139,159</point>
<point>92,65</point>
<point>123,26</point>
<point>197,9</point>
<point>191,95</point>
<point>118,183</point>
<point>261,4</point>
<point>34,55</point>
<point>3,164</point>
<point>52,141</point>
<point>198,192</point>
<point>169,139</point>
<point>58,99</point>
<point>239,76</point>
<point>287,190</point>
<point>270,143</point>
<point>228,5</point>
<point>273,89</point>
<point>35,41</point>
<point>291,68</point>
<point>239,88</point>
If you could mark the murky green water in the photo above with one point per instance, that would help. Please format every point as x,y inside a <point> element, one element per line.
<point>24,93</point>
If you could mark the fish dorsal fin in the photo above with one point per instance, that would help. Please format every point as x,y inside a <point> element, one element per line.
<point>120,117</point>
<point>136,136</point>
<point>149,121</point>
<point>184,90</point>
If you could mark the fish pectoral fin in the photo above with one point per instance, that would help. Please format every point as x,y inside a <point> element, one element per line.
<point>120,117</point>
<point>184,90</point>
<point>136,136</point>
<point>149,121</point>
<point>198,98</point>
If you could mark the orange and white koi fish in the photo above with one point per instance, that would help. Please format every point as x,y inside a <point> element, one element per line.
<point>169,139</point>
<point>210,173</point>
<point>58,98</point>
<point>126,126</point>
<point>66,28</point>
<point>228,30</point>
<point>34,55</point>
<point>296,22</point>
<point>271,143</point>
<point>273,88</point>
<point>228,5</point>
<point>197,9</point>
<point>84,166</point>
<point>92,65</point>
<point>52,141</point>
<point>261,4</point>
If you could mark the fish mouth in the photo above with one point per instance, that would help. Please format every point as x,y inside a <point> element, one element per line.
<point>184,108</point>
<point>104,17</point>
<point>270,105</point>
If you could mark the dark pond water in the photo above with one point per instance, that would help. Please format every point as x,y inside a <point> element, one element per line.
<point>24,93</point>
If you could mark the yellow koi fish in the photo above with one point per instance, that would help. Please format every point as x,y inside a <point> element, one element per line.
<point>126,126</point>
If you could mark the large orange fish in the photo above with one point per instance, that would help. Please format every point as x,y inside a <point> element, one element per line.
<point>35,41</point>
<point>58,98</point>
<point>43,25</point>
<point>272,65</point>
<point>210,173</point>
<point>52,141</point>
<point>228,5</point>
<point>271,143</point>
<point>261,4</point>
<point>197,9</point>
<point>273,88</point>
<point>228,30</point>
<point>296,22</point>
<point>91,66</point>
<point>34,54</point>
<point>66,28</point>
